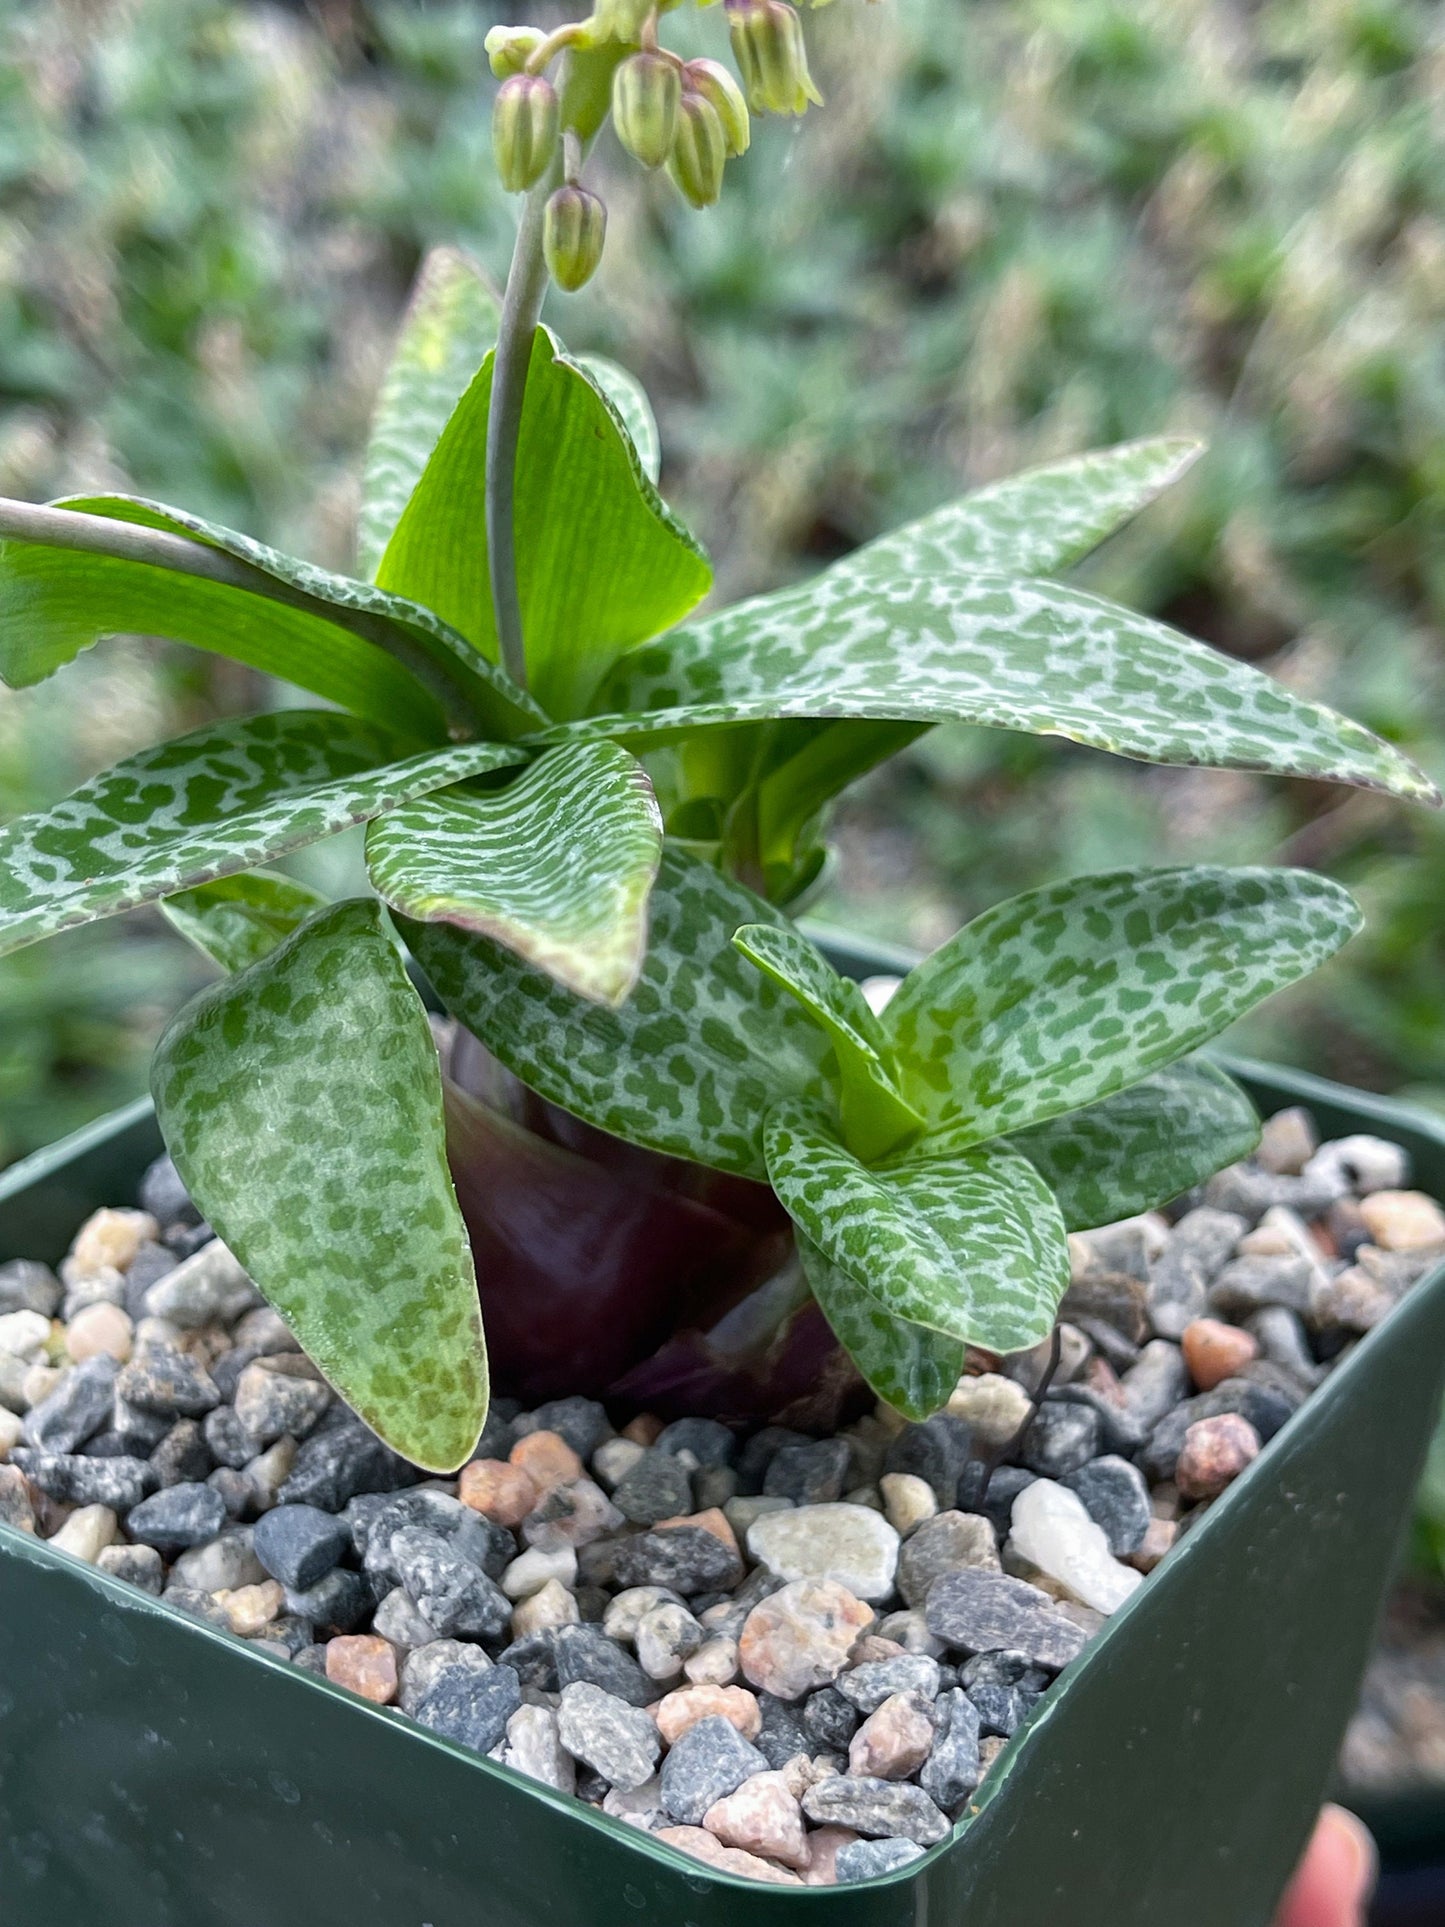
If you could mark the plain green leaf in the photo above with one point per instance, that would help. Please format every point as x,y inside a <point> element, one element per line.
<point>220,800</point>
<point>1142,1146</point>
<point>436,650</point>
<point>910,1368</point>
<point>688,1065</point>
<point>302,1103</point>
<point>601,561</point>
<point>557,866</point>
<point>967,646</point>
<point>236,921</point>
<point>629,400</point>
<point>1066,994</point>
<point>970,1244</point>
<point>449,327</point>
<point>873,1114</point>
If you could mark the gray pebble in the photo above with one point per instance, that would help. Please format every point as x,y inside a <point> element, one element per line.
<point>118,1482</point>
<point>376,1522</point>
<point>139,1432</point>
<point>581,1421</point>
<point>710,1443</point>
<point>139,1566</point>
<point>28,1286</point>
<point>948,1542</point>
<point>81,1404</point>
<point>396,1619</point>
<point>868,1685</point>
<point>755,1453</point>
<point>1116,1498</point>
<point>16,1509</point>
<point>451,1592</point>
<point>221,1565</point>
<point>689,1559</point>
<point>979,1612</point>
<point>1197,1250</point>
<point>782,1736</point>
<point>997,1504</point>
<point>1252,1284</point>
<point>299,1544</point>
<point>209,1288</point>
<point>1061,1439</point>
<point>470,1707</point>
<point>585,1653</point>
<point>1282,1338</point>
<point>336,1604</point>
<point>811,1474</point>
<point>231,1444</point>
<point>151,1263</point>
<point>865,1859</point>
<point>709,1761</point>
<point>164,1195</point>
<point>280,1394</point>
<point>291,1636</point>
<point>1004,1688</point>
<point>178,1518</point>
<point>182,1457</point>
<point>341,1458</point>
<point>829,1720</point>
<point>656,1487</point>
<point>936,1451</point>
<point>533,1658</point>
<point>1156,1384</point>
<point>618,1742</point>
<point>878,1809</point>
<point>421,1669</point>
<point>953,1769</point>
<point>198,1605</point>
<point>235,1489</point>
<point>167,1382</point>
<point>1266,1411</point>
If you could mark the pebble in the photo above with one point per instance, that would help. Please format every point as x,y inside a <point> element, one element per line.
<point>397,1620</point>
<point>74,1479</point>
<point>909,1629</point>
<point>948,1543</point>
<point>1252,1283</point>
<point>709,1761</point>
<point>953,1769</point>
<point>98,1329</point>
<point>615,1739</point>
<point>109,1240</point>
<point>336,1604</point>
<point>1116,1498</point>
<point>1197,1250</point>
<point>701,1845</point>
<point>809,1474</point>
<point>365,1665</point>
<point>907,1501</point>
<point>1214,1453</point>
<point>502,1492</point>
<point>250,1609</point>
<point>530,1571</point>
<point>451,1592</point>
<point>87,1532</point>
<point>980,1611</point>
<point>139,1566</point>
<point>679,1710</point>
<point>1062,1438</point>
<point>38,1384</point>
<point>571,1515</point>
<point>688,1558</point>
<point>1403,1221</point>
<point>869,1685</point>
<point>763,1817</point>
<point>937,1451</point>
<point>11,1432</point>
<point>223,1565</point>
<point>849,1544</point>
<point>582,1422</point>
<point>829,1720</point>
<point>24,1334</point>
<point>16,1508</point>
<point>178,1518</point>
<point>1052,1529</point>
<point>28,1286</point>
<point>740,1512</point>
<point>877,1809</point>
<point>280,1394</point>
<point>665,1637</point>
<point>1361,1164</point>
<point>1266,1410</point>
<point>468,1706</point>
<point>894,1740</point>
<point>586,1653</point>
<point>657,1487</point>
<point>613,1461</point>
<point>1287,1142</point>
<point>74,1407</point>
<point>547,1459</point>
<point>209,1288</point>
<point>299,1544</point>
<point>865,1859</point>
<point>420,1670</point>
<point>708,1443</point>
<point>715,1663</point>
<point>182,1457</point>
<point>824,1846</point>
<point>800,1637</point>
<point>553,1605</point>
<point>1156,1542</point>
<point>1214,1351</point>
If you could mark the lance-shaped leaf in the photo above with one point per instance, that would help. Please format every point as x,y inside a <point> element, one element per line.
<point>1142,1146</point>
<point>449,327</point>
<point>601,561</point>
<point>470,693</point>
<point>222,799</point>
<point>688,1065</point>
<point>1036,523</point>
<point>910,1367</point>
<point>629,401</point>
<point>1064,995</point>
<point>967,646</point>
<point>969,1244</point>
<point>236,921</point>
<point>557,866</point>
<point>873,1114</point>
<point>302,1102</point>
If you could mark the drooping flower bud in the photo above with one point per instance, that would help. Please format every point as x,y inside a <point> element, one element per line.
<point>646,92</point>
<point>510,48</point>
<point>717,86</point>
<point>525,125</point>
<point>573,230</point>
<point>767,37</point>
<point>699,151</point>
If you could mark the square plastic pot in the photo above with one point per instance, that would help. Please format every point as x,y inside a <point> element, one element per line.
<point>156,1773</point>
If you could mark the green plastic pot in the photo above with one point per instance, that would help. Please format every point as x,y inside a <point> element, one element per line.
<point>155,1773</point>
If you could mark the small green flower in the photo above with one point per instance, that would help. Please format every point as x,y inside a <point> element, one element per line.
<point>526,123</point>
<point>767,38</point>
<point>699,152</point>
<point>646,95</point>
<point>573,232</point>
<point>510,48</point>
<point>717,86</point>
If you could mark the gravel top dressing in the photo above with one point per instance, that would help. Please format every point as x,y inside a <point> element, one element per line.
<point>794,1658</point>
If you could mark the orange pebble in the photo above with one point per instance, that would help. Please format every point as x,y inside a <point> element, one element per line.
<point>645,1429</point>
<point>502,1492</point>
<point>1214,1351</point>
<point>1215,1452</point>
<point>365,1663</point>
<point>714,1520</point>
<point>547,1459</point>
<point>678,1711</point>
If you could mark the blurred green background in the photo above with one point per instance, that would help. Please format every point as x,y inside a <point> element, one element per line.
<point>1017,230</point>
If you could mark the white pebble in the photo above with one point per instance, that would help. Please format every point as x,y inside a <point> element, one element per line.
<point>108,1240</point>
<point>550,1605</point>
<point>101,1328</point>
<point>11,1431</point>
<point>1361,1163</point>
<point>87,1532</point>
<point>907,1500</point>
<point>24,1333</point>
<point>994,1407</point>
<point>39,1382</point>
<point>713,1664</point>
<point>531,1570</point>
<point>613,1461</point>
<point>1053,1531</point>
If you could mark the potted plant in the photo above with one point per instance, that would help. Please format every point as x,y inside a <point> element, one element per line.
<point>673,1155</point>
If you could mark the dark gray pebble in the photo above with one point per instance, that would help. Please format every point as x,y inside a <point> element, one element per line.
<point>299,1544</point>
<point>75,1479</point>
<point>81,1404</point>
<point>164,1195</point>
<point>231,1444</point>
<point>448,1590</point>
<point>865,1859</point>
<point>1060,1440</point>
<point>581,1421</point>
<point>979,1611</point>
<point>336,1604</point>
<point>953,1769</point>
<point>1116,1498</point>
<point>936,1451</point>
<point>1266,1411</point>
<point>585,1653</point>
<point>782,1736</point>
<point>178,1518</point>
<point>657,1487</point>
<point>711,1760</point>
<point>812,1474</point>
<point>710,1443</point>
<point>829,1719</point>
<point>878,1809</point>
<point>471,1707</point>
<point>182,1457</point>
<point>868,1685</point>
<point>689,1559</point>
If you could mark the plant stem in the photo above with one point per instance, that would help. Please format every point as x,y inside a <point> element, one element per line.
<point>521,310</point>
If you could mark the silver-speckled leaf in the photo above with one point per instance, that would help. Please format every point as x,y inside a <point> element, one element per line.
<point>1066,994</point>
<point>302,1103</point>
<point>970,1244</point>
<point>557,866</point>
<point>873,1114</point>
<point>236,921</point>
<point>449,327</point>
<point>910,1368</point>
<point>1142,1146</point>
<point>209,804</point>
<point>693,1059</point>
<point>967,646</point>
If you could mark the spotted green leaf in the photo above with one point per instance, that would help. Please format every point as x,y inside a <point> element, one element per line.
<point>466,688</point>
<point>963,645</point>
<point>302,1102</point>
<point>1142,1146</point>
<point>602,563</point>
<point>449,326</point>
<point>220,800</point>
<point>1064,995</point>
<point>873,1114</point>
<point>970,1244</point>
<point>237,920</point>
<point>557,866</point>
<point>629,401</point>
<point>910,1368</point>
<point>688,1065</point>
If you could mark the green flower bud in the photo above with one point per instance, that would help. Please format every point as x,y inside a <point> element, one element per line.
<point>573,231</point>
<point>525,125</point>
<point>510,48</point>
<point>717,86</point>
<point>767,37</point>
<point>619,19</point>
<point>646,91</point>
<point>699,152</point>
